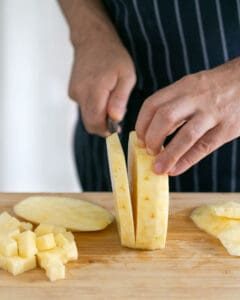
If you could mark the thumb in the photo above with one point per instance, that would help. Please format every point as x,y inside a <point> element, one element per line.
<point>118,98</point>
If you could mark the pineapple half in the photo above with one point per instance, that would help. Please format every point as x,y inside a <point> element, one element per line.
<point>142,195</point>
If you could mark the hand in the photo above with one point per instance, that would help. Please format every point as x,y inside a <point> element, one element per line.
<point>207,107</point>
<point>102,78</point>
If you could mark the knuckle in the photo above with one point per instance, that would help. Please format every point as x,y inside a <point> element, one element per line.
<point>188,161</point>
<point>76,91</point>
<point>203,147</point>
<point>167,115</point>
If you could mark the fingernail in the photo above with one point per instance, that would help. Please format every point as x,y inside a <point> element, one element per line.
<point>150,152</point>
<point>141,143</point>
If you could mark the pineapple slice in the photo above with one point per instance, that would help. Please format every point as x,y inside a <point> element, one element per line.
<point>26,244</point>
<point>17,265</point>
<point>44,228</point>
<point>205,219</point>
<point>45,242</point>
<point>228,209</point>
<point>121,192</point>
<point>8,247</point>
<point>74,214</point>
<point>150,197</point>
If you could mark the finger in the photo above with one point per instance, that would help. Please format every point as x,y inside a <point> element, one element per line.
<point>167,118</point>
<point>151,105</point>
<point>212,140</point>
<point>187,136</point>
<point>94,112</point>
<point>118,99</point>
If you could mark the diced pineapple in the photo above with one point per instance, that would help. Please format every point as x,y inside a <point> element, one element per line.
<point>25,226</point>
<point>27,244</point>
<point>67,243</point>
<point>9,226</point>
<point>8,247</point>
<point>45,242</point>
<point>2,262</point>
<point>55,270</point>
<point>56,253</point>
<point>43,229</point>
<point>17,265</point>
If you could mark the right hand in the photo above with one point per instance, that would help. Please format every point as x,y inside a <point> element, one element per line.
<point>103,77</point>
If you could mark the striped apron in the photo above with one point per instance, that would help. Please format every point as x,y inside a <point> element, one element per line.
<point>167,40</point>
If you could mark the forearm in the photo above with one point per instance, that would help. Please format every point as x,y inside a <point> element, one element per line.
<point>87,21</point>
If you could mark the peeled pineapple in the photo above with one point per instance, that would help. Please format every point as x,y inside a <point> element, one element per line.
<point>27,244</point>
<point>45,242</point>
<point>141,196</point>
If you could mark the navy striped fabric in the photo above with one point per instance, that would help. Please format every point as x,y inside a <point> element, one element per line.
<point>167,40</point>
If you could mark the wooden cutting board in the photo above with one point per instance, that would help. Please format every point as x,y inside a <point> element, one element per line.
<point>193,265</point>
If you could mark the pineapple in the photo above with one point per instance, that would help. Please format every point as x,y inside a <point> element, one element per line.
<point>26,244</point>
<point>73,214</point>
<point>43,229</point>
<point>9,226</point>
<point>25,226</point>
<point>150,197</point>
<point>17,265</point>
<point>8,247</point>
<point>45,242</point>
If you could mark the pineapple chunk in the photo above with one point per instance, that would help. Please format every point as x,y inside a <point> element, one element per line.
<point>121,192</point>
<point>55,269</point>
<point>8,247</point>
<point>9,226</point>
<point>56,253</point>
<point>3,262</point>
<point>44,228</point>
<point>45,242</point>
<point>26,244</point>
<point>150,197</point>
<point>67,243</point>
<point>17,265</point>
<point>25,226</point>
<point>73,214</point>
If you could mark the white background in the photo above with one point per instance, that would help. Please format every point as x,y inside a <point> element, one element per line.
<point>36,116</point>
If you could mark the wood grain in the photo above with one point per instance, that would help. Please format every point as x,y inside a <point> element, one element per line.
<point>193,265</point>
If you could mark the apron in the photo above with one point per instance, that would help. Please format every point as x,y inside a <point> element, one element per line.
<point>167,40</point>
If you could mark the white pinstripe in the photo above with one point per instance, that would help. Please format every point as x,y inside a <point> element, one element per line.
<point>149,49</point>
<point>129,33</point>
<point>226,58</point>
<point>182,37</point>
<point>221,28</point>
<point>164,41</point>
<point>238,10</point>
<point>187,68</point>
<point>202,36</point>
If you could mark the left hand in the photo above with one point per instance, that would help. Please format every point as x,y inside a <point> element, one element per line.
<point>205,104</point>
